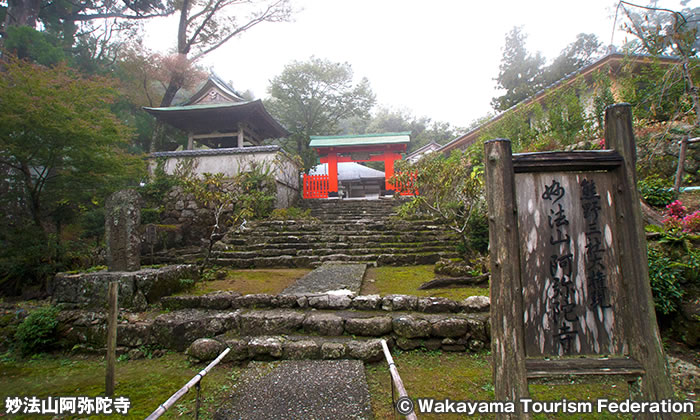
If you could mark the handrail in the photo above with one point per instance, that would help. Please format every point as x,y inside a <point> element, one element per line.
<point>396,378</point>
<point>176,396</point>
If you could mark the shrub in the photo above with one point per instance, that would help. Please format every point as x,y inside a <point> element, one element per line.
<point>665,276</point>
<point>450,189</point>
<point>38,331</point>
<point>478,235</point>
<point>691,222</point>
<point>678,221</point>
<point>656,191</point>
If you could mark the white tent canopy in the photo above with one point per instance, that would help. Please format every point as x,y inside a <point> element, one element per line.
<point>349,171</point>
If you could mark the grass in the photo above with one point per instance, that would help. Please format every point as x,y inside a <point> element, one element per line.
<point>149,382</point>
<point>272,281</point>
<point>461,376</point>
<point>146,382</point>
<point>405,280</point>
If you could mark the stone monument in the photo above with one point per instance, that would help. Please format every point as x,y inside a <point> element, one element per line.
<point>122,220</point>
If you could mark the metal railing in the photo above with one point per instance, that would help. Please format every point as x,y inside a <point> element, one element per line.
<point>396,381</point>
<point>195,381</point>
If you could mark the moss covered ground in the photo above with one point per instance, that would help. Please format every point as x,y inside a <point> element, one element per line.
<point>251,281</point>
<point>387,280</point>
<point>462,376</point>
<point>146,382</point>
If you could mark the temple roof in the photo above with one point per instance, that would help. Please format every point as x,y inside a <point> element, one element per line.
<point>214,90</point>
<point>220,117</point>
<point>361,139</point>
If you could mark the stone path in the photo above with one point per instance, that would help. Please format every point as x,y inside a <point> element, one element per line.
<point>329,277</point>
<point>301,389</point>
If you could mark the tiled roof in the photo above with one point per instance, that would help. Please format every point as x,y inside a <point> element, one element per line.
<point>360,139</point>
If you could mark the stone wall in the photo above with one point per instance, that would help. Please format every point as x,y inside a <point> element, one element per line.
<point>293,326</point>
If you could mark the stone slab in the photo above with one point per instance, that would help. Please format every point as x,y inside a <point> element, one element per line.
<point>300,389</point>
<point>137,289</point>
<point>330,277</point>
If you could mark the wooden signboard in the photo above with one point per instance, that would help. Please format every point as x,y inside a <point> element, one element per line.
<point>569,263</point>
<point>569,275</point>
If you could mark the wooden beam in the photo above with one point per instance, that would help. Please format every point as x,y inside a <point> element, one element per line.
<point>681,164</point>
<point>637,305</point>
<point>214,135</point>
<point>507,331</point>
<point>584,160</point>
<point>241,136</point>
<point>112,314</point>
<point>582,367</point>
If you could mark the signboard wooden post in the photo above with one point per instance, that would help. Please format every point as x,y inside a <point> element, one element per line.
<point>569,274</point>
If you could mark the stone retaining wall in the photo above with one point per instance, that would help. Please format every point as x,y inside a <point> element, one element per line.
<point>137,289</point>
<point>232,300</point>
<point>287,332</point>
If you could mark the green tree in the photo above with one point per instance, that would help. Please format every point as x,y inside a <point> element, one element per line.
<point>423,129</point>
<point>59,142</point>
<point>93,26</point>
<point>313,97</point>
<point>583,51</point>
<point>206,25</point>
<point>663,31</point>
<point>520,73</point>
<point>248,195</point>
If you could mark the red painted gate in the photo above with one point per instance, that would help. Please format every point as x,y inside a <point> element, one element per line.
<point>315,186</point>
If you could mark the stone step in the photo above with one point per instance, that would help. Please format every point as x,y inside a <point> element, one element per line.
<point>321,251</point>
<point>302,237</point>
<point>313,347</point>
<point>355,230</point>
<point>278,225</point>
<point>366,304</point>
<point>314,261</point>
<point>297,246</point>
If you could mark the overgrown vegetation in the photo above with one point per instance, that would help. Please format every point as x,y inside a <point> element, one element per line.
<point>247,195</point>
<point>37,332</point>
<point>656,191</point>
<point>452,190</point>
<point>674,261</point>
<point>62,152</point>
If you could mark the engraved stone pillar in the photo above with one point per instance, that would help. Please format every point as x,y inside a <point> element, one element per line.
<point>122,220</point>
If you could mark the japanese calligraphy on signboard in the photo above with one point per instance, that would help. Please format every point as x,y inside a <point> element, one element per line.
<point>569,263</point>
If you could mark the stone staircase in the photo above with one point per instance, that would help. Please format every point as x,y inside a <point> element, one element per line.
<point>342,231</point>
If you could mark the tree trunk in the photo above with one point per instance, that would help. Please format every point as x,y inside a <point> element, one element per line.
<point>19,13</point>
<point>174,86</point>
<point>22,13</point>
<point>183,48</point>
<point>34,199</point>
<point>451,281</point>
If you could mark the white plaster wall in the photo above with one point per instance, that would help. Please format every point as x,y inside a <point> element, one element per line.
<point>285,170</point>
